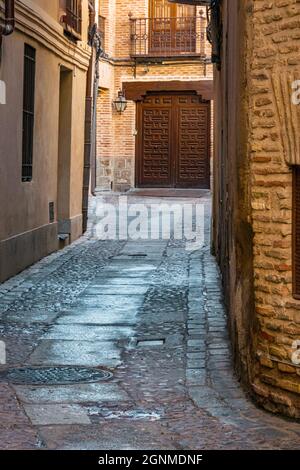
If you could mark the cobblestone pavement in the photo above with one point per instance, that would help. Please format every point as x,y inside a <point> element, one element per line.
<point>150,312</point>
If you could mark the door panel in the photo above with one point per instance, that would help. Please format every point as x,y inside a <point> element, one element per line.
<point>155,125</point>
<point>192,168</point>
<point>173,148</point>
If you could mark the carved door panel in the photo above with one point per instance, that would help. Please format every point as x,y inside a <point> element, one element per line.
<point>173,146</point>
<point>155,121</point>
<point>192,159</point>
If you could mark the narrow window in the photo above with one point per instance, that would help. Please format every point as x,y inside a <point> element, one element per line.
<point>28,112</point>
<point>296,232</point>
<point>101,30</point>
<point>74,11</point>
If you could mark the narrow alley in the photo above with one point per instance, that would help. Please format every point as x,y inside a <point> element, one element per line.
<point>149,231</point>
<point>150,316</point>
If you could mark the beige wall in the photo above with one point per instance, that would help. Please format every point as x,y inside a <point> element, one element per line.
<point>24,209</point>
<point>116,133</point>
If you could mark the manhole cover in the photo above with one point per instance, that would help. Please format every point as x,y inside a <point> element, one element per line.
<point>54,375</point>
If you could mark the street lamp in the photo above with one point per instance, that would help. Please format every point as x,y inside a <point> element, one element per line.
<point>120,103</point>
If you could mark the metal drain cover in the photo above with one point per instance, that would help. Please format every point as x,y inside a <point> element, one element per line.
<point>53,375</point>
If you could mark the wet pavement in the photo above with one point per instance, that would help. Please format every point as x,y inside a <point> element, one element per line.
<point>149,312</point>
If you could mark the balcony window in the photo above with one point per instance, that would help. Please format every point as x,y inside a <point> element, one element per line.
<point>71,17</point>
<point>170,30</point>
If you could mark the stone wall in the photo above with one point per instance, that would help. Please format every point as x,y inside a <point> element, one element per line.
<point>275,56</point>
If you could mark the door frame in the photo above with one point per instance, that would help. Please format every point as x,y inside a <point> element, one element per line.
<point>136,91</point>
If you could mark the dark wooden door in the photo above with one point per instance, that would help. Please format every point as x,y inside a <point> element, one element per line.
<point>173,144</point>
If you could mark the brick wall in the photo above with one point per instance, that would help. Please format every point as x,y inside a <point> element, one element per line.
<point>256,140</point>
<point>275,55</point>
<point>116,133</point>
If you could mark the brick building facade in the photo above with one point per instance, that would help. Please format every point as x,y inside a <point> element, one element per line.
<point>256,204</point>
<point>130,63</point>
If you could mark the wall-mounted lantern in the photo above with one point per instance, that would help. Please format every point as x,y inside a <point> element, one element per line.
<point>120,103</point>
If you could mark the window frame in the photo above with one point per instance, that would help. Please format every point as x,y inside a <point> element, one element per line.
<point>29,81</point>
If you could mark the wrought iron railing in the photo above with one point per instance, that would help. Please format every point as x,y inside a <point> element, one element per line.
<point>73,17</point>
<point>168,37</point>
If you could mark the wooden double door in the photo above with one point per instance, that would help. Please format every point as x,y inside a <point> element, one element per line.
<point>173,142</point>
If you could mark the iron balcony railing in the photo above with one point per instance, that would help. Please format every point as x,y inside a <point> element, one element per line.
<point>73,17</point>
<point>168,37</point>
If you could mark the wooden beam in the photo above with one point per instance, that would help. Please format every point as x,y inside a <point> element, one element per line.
<point>136,91</point>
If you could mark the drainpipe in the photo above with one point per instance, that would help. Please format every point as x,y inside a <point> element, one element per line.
<point>99,53</point>
<point>88,127</point>
<point>91,115</point>
<point>9,21</point>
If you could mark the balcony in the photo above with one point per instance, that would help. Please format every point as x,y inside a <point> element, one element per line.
<point>168,37</point>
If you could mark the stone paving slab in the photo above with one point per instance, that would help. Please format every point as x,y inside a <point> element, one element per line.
<point>79,393</point>
<point>133,267</point>
<point>16,431</point>
<point>94,316</point>
<point>111,302</point>
<point>121,435</point>
<point>84,353</point>
<point>107,282</point>
<point>30,317</point>
<point>85,332</point>
<point>116,290</point>
<point>43,415</point>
